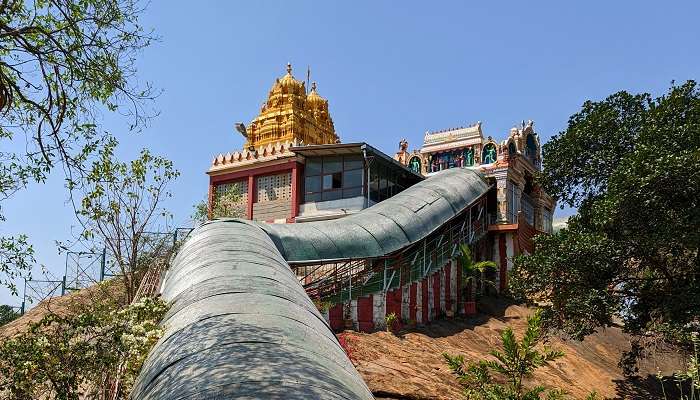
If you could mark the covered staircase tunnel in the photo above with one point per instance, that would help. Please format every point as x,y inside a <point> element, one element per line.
<point>241,324</point>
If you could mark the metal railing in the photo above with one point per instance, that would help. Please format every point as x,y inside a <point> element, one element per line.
<point>350,279</point>
<point>86,268</point>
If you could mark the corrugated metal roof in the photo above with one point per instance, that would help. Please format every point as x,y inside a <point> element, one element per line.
<point>240,323</point>
<point>385,227</point>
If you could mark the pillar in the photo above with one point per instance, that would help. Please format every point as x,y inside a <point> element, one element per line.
<point>296,193</point>
<point>501,200</point>
<point>251,196</point>
<point>210,201</point>
<point>503,260</point>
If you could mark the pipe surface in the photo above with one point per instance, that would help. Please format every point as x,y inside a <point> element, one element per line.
<point>241,324</point>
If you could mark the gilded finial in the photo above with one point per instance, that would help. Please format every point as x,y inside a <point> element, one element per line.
<point>289,68</point>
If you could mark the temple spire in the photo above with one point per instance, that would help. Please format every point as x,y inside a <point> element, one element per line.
<point>291,114</point>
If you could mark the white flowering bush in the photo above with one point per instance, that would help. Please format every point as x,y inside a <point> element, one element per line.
<point>78,356</point>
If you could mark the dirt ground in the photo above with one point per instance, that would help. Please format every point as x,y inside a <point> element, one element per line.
<point>409,365</point>
<point>64,305</point>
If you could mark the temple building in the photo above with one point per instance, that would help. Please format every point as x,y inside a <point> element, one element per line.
<point>518,208</point>
<point>294,168</point>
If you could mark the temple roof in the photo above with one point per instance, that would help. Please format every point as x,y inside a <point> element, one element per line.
<point>451,138</point>
<point>289,114</point>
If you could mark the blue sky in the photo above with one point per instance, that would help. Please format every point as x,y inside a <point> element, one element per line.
<point>389,69</point>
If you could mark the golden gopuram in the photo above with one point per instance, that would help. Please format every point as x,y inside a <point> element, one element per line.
<point>290,114</point>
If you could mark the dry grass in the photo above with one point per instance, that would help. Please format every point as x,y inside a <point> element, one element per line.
<point>74,302</point>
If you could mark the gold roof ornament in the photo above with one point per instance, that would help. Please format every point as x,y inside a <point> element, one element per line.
<point>290,83</point>
<point>314,100</point>
<point>289,114</point>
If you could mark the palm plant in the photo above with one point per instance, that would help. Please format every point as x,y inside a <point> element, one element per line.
<point>390,320</point>
<point>517,361</point>
<point>474,270</point>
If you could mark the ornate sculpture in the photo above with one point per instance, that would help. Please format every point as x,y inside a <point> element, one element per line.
<point>403,145</point>
<point>415,164</point>
<point>469,156</point>
<point>402,155</point>
<point>489,154</point>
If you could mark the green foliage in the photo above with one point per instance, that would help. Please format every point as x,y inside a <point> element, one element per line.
<point>62,63</point>
<point>390,320</point>
<point>473,271</point>
<point>322,306</point>
<point>579,295</point>
<point>7,314</point>
<point>690,376</point>
<point>517,361</point>
<point>122,202</point>
<point>226,205</point>
<point>64,357</point>
<point>16,259</point>
<point>630,163</point>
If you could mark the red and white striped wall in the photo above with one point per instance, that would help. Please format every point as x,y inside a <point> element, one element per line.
<point>436,295</point>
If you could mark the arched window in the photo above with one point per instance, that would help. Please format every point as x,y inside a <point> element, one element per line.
<point>469,156</point>
<point>415,164</point>
<point>531,148</point>
<point>511,149</point>
<point>488,156</point>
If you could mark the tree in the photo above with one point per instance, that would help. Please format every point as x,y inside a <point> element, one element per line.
<point>72,356</point>
<point>7,314</point>
<point>122,206</point>
<point>631,164</point>
<point>227,204</point>
<point>16,259</point>
<point>691,376</point>
<point>62,62</point>
<point>517,361</point>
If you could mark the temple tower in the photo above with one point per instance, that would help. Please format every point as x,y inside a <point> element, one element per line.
<point>291,115</point>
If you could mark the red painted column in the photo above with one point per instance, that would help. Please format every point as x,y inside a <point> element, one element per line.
<point>393,302</point>
<point>296,192</point>
<point>436,294</point>
<point>251,196</point>
<point>335,316</point>
<point>399,307</point>
<point>412,301</point>
<point>364,314</point>
<point>460,284</point>
<point>448,287</point>
<point>504,262</point>
<point>425,300</point>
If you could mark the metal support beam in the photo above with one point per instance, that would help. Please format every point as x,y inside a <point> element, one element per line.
<point>387,285</point>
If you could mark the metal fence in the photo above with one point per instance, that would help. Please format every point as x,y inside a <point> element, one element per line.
<point>86,268</point>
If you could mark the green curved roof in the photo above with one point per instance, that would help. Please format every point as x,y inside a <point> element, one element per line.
<point>384,228</point>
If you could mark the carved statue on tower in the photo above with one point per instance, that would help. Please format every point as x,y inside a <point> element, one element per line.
<point>402,155</point>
